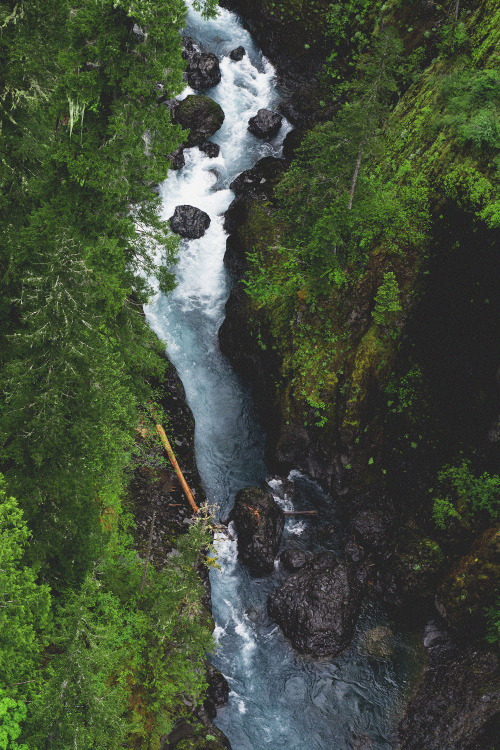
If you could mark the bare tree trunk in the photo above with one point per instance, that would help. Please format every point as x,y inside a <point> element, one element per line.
<point>355,175</point>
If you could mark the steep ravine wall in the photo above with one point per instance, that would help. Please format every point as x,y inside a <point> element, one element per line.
<point>379,473</point>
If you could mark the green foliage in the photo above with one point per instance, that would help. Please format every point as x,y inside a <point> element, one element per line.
<point>464,495</point>
<point>387,304</point>
<point>493,615</point>
<point>24,608</point>
<point>12,714</point>
<point>126,657</point>
<point>472,101</point>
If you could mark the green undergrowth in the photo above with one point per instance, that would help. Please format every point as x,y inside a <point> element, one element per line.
<point>350,242</point>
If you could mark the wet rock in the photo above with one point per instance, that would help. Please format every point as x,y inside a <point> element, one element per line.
<point>177,160</point>
<point>235,214</point>
<point>259,522</point>
<point>377,642</point>
<point>237,54</point>
<point>200,115</point>
<point>265,124</point>
<point>212,150</point>
<point>259,179</point>
<point>203,71</point>
<point>373,527</point>
<point>218,691</point>
<point>235,258</point>
<point>189,222</point>
<point>294,559</point>
<point>457,703</point>
<point>317,608</point>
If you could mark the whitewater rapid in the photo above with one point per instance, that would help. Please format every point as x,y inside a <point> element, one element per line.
<point>279,699</point>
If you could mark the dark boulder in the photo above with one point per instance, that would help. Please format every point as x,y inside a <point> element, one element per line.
<point>317,608</point>
<point>291,142</point>
<point>456,705</point>
<point>203,71</point>
<point>212,150</point>
<point>236,214</point>
<point>177,160</point>
<point>294,559</point>
<point>260,178</point>
<point>217,692</point>
<point>189,222</point>
<point>259,522</point>
<point>265,124</point>
<point>235,258</point>
<point>237,54</point>
<point>200,115</point>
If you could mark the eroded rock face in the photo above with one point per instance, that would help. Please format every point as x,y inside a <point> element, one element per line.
<point>457,703</point>
<point>189,222</point>
<point>265,124</point>
<point>237,54</point>
<point>317,608</point>
<point>200,115</point>
<point>203,71</point>
<point>259,522</point>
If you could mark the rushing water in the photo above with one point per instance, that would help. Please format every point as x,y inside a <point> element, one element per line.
<point>279,699</point>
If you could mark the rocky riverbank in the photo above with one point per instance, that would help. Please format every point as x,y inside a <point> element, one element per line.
<point>161,513</point>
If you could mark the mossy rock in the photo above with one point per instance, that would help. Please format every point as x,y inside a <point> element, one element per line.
<point>201,115</point>
<point>419,564</point>
<point>471,586</point>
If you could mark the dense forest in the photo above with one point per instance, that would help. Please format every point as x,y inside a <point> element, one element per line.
<point>370,302</point>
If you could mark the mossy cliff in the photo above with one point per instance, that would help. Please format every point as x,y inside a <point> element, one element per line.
<point>370,330</point>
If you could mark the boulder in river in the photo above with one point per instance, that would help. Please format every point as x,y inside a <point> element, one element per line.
<point>200,115</point>
<point>237,54</point>
<point>212,150</point>
<point>265,124</point>
<point>317,608</point>
<point>189,222</point>
<point>259,522</point>
<point>203,71</point>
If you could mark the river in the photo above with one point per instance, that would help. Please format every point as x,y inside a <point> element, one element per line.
<point>279,699</point>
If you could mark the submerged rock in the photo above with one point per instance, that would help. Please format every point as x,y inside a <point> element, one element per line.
<point>200,115</point>
<point>259,522</point>
<point>377,642</point>
<point>203,71</point>
<point>189,222</point>
<point>265,124</point>
<point>237,54</point>
<point>317,608</point>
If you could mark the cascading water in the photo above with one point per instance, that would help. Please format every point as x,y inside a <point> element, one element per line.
<point>279,699</point>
